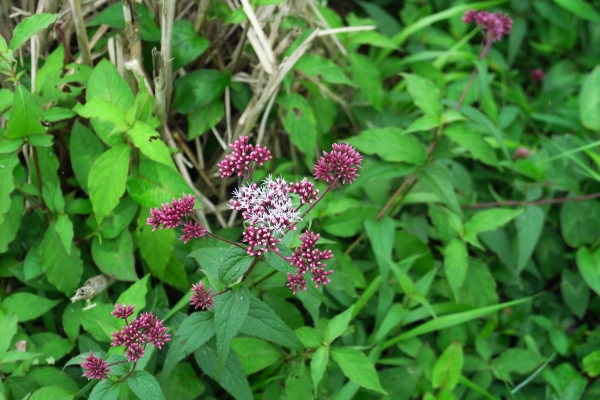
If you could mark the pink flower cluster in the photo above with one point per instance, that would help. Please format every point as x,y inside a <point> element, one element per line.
<point>95,368</point>
<point>178,212</point>
<point>537,74</point>
<point>201,297</point>
<point>137,334</point>
<point>307,258</point>
<point>243,155</point>
<point>342,163</point>
<point>306,190</point>
<point>494,25</point>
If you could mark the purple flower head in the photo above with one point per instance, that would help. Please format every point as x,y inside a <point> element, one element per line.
<point>260,240</point>
<point>95,368</point>
<point>341,163</point>
<point>268,205</point>
<point>123,311</point>
<point>307,258</point>
<point>201,297</point>
<point>143,330</point>
<point>537,74</point>
<point>522,152</point>
<point>306,190</point>
<point>192,230</point>
<point>493,25</point>
<point>296,283</point>
<point>242,156</point>
<point>170,215</point>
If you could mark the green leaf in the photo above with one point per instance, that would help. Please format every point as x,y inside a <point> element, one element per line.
<point>580,8</point>
<point>372,38</point>
<point>255,354</point>
<point>357,367</point>
<point>186,44</point>
<point>390,145</point>
<point>117,220</point>
<point>40,140</point>
<point>338,325</point>
<point>56,114</point>
<point>12,222</point>
<point>106,390</point>
<point>455,265</point>
<point>578,222</point>
<point>313,65</point>
<point>156,184</point>
<point>183,383</point>
<point>436,178</point>
<point>135,295</point>
<point>84,148</point>
<point>51,393</point>
<point>366,75</point>
<point>8,329</point>
<point>27,306</point>
<point>479,287</point>
<point>99,322</point>
<point>103,110</point>
<point>263,323</point>
<point>193,332</point>
<point>106,83</point>
<point>529,228</point>
<point>488,220</point>
<point>15,355</point>
<point>30,26</point>
<point>148,141</point>
<point>381,236</point>
<point>447,369</point>
<point>115,256</point>
<point>231,378</point>
<point>64,228</point>
<point>425,93</point>
<point>297,384</point>
<point>235,263</point>
<point>7,183</point>
<point>589,267</point>
<point>198,88</point>
<point>574,292</point>
<point>71,320</point>
<point>107,180</point>
<point>145,386</point>
<point>448,225</point>
<point>591,364</point>
<point>299,121</point>
<point>447,321</point>
<point>62,268</point>
<point>318,365</point>
<point>25,116</point>
<point>589,98</point>
<point>155,247</point>
<point>474,143</point>
<point>230,312</point>
<point>114,17</point>
<point>521,361</point>
<point>205,117</point>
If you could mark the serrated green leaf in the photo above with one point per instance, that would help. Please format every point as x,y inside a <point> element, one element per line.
<point>107,180</point>
<point>145,386</point>
<point>230,312</point>
<point>455,265</point>
<point>357,367</point>
<point>235,263</point>
<point>25,116</point>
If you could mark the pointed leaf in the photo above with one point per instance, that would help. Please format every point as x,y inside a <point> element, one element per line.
<point>455,265</point>
<point>107,180</point>
<point>357,367</point>
<point>230,312</point>
<point>145,386</point>
<point>447,369</point>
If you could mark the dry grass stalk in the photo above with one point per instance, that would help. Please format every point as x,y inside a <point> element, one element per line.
<point>82,38</point>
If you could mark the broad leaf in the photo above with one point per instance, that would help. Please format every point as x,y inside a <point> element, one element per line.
<point>107,180</point>
<point>155,184</point>
<point>390,144</point>
<point>199,88</point>
<point>589,98</point>
<point>425,94</point>
<point>589,267</point>
<point>230,312</point>
<point>85,148</point>
<point>115,256</point>
<point>318,365</point>
<point>25,116</point>
<point>29,27</point>
<point>62,268</point>
<point>255,354</point>
<point>357,367</point>
<point>186,44</point>
<point>455,265</point>
<point>235,263</point>
<point>27,306</point>
<point>145,386</point>
<point>447,369</point>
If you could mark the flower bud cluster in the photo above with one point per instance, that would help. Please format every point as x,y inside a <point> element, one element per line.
<point>493,25</point>
<point>201,297</point>
<point>244,154</point>
<point>342,163</point>
<point>137,334</point>
<point>178,212</point>
<point>307,258</point>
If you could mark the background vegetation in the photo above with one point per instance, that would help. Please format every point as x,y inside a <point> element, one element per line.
<point>467,259</point>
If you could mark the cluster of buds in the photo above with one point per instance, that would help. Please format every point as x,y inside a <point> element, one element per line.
<point>537,74</point>
<point>342,163</point>
<point>201,297</point>
<point>178,212</point>
<point>307,258</point>
<point>135,336</point>
<point>241,159</point>
<point>493,25</point>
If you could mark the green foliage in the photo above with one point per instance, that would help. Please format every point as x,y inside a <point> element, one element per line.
<point>466,255</point>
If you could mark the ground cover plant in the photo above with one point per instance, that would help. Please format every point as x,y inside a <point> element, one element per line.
<point>275,199</point>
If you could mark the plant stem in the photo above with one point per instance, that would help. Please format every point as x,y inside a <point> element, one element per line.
<point>225,240</point>
<point>167,17</point>
<point>80,32</point>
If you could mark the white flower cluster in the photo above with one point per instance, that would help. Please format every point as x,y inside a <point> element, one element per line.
<point>268,205</point>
